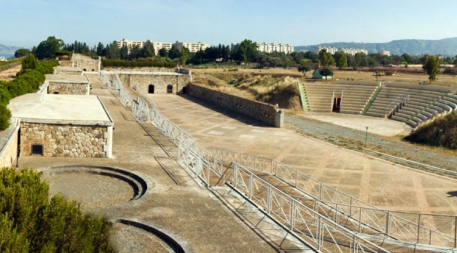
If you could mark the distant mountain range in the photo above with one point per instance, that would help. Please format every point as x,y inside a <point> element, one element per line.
<point>446,47</point>
<point>8,49</point>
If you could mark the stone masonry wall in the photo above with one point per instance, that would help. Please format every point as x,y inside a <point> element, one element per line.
<point>87,65</point>
<point>63,140</point>
<point>257,110</point>
<point>8,142</point>
<point>141,82</point>
<point>68,88</point>
<point>71,73</point>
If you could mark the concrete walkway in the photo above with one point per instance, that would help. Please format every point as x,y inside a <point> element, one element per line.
<point>175,202</point>
<point>380,183</point>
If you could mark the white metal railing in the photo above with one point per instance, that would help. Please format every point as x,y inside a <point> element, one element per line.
<point>396,104</point>
<point>431,229</point>
<point>317,230</point>
<point>140,109</point>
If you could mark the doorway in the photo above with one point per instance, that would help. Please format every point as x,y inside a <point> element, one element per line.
<point>336,104</point>
<point>37,149</point>
<point>151,89</point>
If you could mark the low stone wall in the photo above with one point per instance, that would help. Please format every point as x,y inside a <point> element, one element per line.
<point>71,73</point>
<point>64,140</point>
<point>266,113</point>
<point>68,88</point>
<point>141,82</point>
<point>8,144</point>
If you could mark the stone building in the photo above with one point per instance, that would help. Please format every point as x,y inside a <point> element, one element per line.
<point>156,82</point>
<point>86,63</point>
<point>66,84</point>
<point>76,126</point>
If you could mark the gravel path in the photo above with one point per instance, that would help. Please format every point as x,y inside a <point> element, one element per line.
<point>355,139</point>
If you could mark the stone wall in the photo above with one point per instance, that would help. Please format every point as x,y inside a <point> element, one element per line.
<point>257,110</point>
<point>68,88</point>
<point>66,72</point>
<point>87,65</point>
<point>8,144</point>
<point>64,140</point>
<point>66,63</point>
<point>141,82</point>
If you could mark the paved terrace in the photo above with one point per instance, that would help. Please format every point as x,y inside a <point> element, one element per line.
<point>175,203</point>
<point>380,183</point>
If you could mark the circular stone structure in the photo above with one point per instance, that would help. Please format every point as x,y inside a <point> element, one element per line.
<point>95,187</point>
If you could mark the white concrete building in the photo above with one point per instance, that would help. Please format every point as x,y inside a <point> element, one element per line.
<point>353,51</point>
<point>273,47</point>
<point>331,50</point>
<point>384,52</point>
<point>192,46</point>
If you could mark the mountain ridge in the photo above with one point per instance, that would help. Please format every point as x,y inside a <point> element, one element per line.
<point>5,49</point>
<point>447,46</point>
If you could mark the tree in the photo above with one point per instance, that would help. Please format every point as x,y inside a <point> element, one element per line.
<point>163,52</point>
<point>124,53</point>
<point>183,56</point>
<point>326,59</point>
<point>148,49</point>
<point>100,49</point>
<point>431,66</point>
<point>342,60</point>
<point>48,48</point>
<point>21,52</point>
<point>357,59</point>
<point>326,71</point>
<point>174,52</point>
<point>304,69</point>
<point>29,62</point>
<point>247,50</point>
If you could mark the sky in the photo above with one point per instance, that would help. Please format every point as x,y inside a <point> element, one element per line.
<point>26,23</point>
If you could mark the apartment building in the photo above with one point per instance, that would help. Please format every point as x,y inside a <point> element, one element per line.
<point>353,51</point>
<point>331,50</point>
<point>192,46</point>
<point>273,47</point>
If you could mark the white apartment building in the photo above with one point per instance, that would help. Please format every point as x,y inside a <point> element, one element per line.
<point>331,50</point>
<point>353,51</point>
<point>273,47</point>
<point>384,52</point>
<point>192,46</point>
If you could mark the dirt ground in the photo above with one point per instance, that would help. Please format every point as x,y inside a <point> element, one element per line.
<point>9,74</point>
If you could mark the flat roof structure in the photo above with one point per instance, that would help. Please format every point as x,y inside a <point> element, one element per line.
<point>67,78</point>
<point>68,69</point>
<point>52,109</point>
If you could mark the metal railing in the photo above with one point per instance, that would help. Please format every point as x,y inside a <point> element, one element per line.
<point>353,213</point>
<point>314,228</point>
<point>310,224</point>
<point>396,104</point>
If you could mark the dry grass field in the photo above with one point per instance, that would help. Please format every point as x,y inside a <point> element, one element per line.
<point>259,84</point>
<point>9,74</point>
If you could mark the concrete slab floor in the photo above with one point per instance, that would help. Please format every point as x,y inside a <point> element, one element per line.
<point>380,183</point>
<point>175,201</point>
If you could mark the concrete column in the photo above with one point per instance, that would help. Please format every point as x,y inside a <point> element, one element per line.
<point>109,142</point>
<point>279,118</point>
<point>99,63</point>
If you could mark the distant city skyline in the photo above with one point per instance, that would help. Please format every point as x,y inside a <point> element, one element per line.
<point>28,22</point>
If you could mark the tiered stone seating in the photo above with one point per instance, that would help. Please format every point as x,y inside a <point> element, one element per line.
<point>422,105</point>
<point>353,100</point>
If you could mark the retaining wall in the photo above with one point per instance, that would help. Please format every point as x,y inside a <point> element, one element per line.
<point>266,113</point>
<point>141,82</point>
<point>68,88</point>
<point>8,144</point>
<point>64,140</point>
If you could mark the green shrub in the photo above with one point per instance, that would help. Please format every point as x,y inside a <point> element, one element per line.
<point>440,132</point>
<point>5,115</point>
<point>30,222</point>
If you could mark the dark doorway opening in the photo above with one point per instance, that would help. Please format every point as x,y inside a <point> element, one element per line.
<point>184,90</point>
<point>336,104</point>
<point>37,149</point>
<point>169,89</point>
<point>151,89</point>
<point>84,70</point>
<point>56,92</point>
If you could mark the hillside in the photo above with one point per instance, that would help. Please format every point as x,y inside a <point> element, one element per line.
<point>4,49</point>
<point>413,47</point>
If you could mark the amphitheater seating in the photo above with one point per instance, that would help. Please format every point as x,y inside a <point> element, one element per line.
<point>422,105</point>
<point>353,97</point>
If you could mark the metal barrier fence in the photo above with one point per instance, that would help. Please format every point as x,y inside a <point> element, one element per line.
<point>431,229</point>
<point>316,229</point>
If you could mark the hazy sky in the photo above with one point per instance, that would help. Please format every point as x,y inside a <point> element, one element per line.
<point>297,22</point>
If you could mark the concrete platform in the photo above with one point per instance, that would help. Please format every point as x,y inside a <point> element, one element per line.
<point>380,183</point>
<point>67,78</point>
<point>379,126</point>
